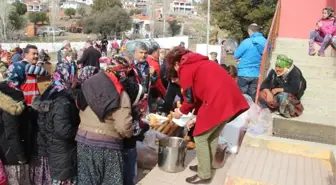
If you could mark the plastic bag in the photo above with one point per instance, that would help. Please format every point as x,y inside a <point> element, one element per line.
<point>261,120</point>
<point>233,133</point>
<point>147,156</point>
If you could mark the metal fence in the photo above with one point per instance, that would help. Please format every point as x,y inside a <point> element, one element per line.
<point>270,46</point>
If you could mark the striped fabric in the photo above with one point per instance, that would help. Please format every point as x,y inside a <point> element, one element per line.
<point>35,70</point>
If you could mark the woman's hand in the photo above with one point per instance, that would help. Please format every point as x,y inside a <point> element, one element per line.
<point>191,123</point>
<point>177,114</point>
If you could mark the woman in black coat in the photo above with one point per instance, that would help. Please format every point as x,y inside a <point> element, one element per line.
<point>58,123</point>
<point>14,132</point>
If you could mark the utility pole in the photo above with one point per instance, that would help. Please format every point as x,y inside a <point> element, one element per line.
<point>164,17</point>
<point>208,29</point>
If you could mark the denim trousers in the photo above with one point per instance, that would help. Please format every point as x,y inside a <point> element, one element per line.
<point>248,85</point>
<point>130,166</point>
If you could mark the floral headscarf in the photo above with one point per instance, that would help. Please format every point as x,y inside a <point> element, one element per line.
<point>86,72</point>
<point>62,77</point>
<point>16,74</point>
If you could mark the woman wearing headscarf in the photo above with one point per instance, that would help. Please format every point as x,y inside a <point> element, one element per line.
<point>214,100</point>
<point>105,121</point>
<point>58,121</point>
<point>283,88</point>
<point>14,130</point>
<point>127,76</point>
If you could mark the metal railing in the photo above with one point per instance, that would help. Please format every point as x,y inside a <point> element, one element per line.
<point>270,46</point>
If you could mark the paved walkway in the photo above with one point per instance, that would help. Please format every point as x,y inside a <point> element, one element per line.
<point>159,177</point>
<point>265,167</point>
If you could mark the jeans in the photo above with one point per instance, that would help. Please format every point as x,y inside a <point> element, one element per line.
<point>315,36</point>
<point>130,166</point>
<point>248,85</point>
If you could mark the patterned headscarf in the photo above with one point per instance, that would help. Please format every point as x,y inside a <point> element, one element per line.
<point>118,65</point>
<point>86,72</point>
<point>62,77</point>
<point>16,74</point>
<point>283,61</point>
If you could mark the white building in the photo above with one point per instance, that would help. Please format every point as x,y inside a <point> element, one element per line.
<point>135,4</point>
<point>87,2</point>
<point>36,6</point>
<point>70,4</point>
<point>182,6</point>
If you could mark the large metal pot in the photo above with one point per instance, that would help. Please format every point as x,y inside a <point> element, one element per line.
<point>172,153</point>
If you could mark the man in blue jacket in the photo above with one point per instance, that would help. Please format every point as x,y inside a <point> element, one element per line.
<point>249,54</point>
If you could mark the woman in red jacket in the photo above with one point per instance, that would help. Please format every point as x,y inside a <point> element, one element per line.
<point>212,93</point>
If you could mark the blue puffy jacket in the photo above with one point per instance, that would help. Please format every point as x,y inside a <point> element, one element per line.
<point>250,52</point>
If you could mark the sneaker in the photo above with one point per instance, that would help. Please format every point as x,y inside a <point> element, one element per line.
<point>321,54</point>
<point>312,52</point>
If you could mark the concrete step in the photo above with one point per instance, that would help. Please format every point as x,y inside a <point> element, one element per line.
<point>309,60</point>
<point>318,83</point>
<point>262,166</point>
<point>319,94</point>
<point>293,43</point>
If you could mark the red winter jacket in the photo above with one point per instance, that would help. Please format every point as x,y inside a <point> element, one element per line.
<point>158,84</point>
<point>209,89</point>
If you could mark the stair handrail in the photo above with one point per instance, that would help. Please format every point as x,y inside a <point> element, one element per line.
<point>269,47</point>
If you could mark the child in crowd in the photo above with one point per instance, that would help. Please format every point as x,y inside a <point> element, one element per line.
<point>324,31</point>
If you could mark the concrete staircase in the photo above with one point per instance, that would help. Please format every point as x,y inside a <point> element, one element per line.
<point>318,121</point>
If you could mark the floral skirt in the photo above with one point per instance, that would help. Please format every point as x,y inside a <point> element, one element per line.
<point>17,174</point>
<point>99,166</point>
<point>40,175</point>
<point>39,171</point>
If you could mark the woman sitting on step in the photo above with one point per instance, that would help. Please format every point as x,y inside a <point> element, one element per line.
<point>324,31</point>
<point>283,88</point>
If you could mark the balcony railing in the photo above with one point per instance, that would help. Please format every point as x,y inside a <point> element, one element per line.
<point>270,46</point>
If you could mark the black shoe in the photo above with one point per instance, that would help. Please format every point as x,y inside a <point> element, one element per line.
<point>197,180</point>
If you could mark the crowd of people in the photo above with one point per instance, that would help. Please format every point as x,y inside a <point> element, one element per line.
<point>84,127</point>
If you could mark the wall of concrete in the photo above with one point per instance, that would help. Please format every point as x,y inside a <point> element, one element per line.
<point>299,17</point>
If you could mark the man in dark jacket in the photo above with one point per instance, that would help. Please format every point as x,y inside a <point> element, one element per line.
<point>90,56</point>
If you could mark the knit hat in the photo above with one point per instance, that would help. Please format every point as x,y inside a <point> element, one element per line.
<point>16,74</point>
<point>283,61</point>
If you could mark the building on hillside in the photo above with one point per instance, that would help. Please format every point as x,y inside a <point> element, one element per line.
<point>182,6</point>
<point>141,25</point>
<point>135,4</point>
<point>87,2</point>
<point>71,4</point>
<point>36,6</point>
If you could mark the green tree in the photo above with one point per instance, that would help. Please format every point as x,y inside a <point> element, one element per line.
<point>34,17</point>
<point>81,11</point>
<point>174,27</point>
<point>17,22</point>
<point>234,16</point>
<point>70,12</point>
<point>21,8</point>
<point>43,17</point>
<point>108,22</point>
<point>135,11</point>
<point>101,5</point>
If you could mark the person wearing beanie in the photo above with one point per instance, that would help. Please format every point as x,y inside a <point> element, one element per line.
<point>283,88</point>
